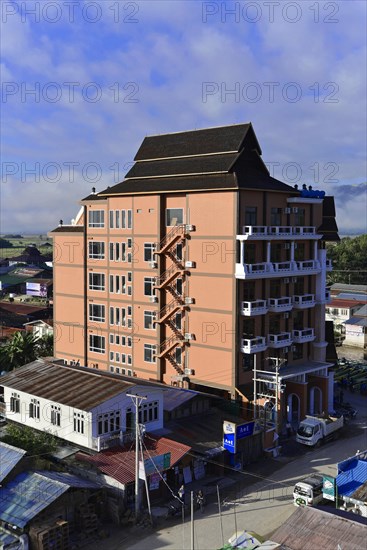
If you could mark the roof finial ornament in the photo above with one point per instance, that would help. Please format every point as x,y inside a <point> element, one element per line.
<point>61,223</point>
<point>93,190</point>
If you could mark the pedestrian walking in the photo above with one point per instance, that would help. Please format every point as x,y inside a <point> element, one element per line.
<point>289,429</point>
<point>200,500</point>
<point>181,493</point>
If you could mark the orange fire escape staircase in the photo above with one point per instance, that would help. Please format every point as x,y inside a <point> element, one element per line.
<point>166,283</point>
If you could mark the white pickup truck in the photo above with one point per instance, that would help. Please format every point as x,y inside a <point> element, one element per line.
<point>315,429</point>
<point>308,492</point>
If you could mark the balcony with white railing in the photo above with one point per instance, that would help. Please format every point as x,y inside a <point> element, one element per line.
<point>275,232</point>
<point>253,271</point>
<point>284,267</point>
<point>255,231</point>
<point>306,232</point>
<point>253,345</point>
<point>280,231</point>
<point>329,265</point>
<point>304,301</point>
<point>277,305</point>
<point>309,266</point>
<point>280,340</point>
<point>303,336</point>
<point>256,307</point>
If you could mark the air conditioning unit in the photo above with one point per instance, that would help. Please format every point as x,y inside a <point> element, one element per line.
<point>153,265</point>
<point>190,264</point>
<point>287,246</point>
<point>286,315</point>
<point>189,372</point>
<point>189,300</point>
<point>190,227</point>
<point>295,210</point>
<point>287,210</point>
<point>189,336</point>
<point>153,299</point>
<point>285,280</point>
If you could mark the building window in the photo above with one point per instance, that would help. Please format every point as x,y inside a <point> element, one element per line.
<point>300,217</point>
<point>96,218</point>
<point>148,286</point>
<point>297,351</point>
<point>148,252</point>
<point>97,313</point>
<point>129,219</point>
<point>109,422</point>
<point>117,219</point>
<point>276,216</point>
<point>174,216</point>
<point>79,423</point>
<point>251,215</point>
<point>149,317</point>
<point>129,342</point>
<point>148,412</point>
<point>179,251</point>
<point>97,343</point>
<point>111,219</point>
<point>149,353</point>
<point>248,361</point>
<point>96,250</point>
<point>117,357</point>
<point>178,355</point>
<point>112,315</point>
<point>56,415</point>
<point>15,402</point>
<point>34,409</point>
<point>96,281</point>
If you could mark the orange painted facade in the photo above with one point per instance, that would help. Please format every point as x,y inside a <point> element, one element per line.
<point>165,285</point>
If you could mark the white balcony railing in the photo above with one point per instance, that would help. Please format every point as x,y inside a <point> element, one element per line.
<point>279,340</point>
<point>308,265</point>
<point>109,440</point>
<point>280,304</point>
<point>283,267</point>
<point>304,335</point>
<point>253,345</point>
<point>304,301</point>
<point>275,232</point>
<point>255,231</point>
<point>256,307</point>
<point>270,270</point>
<point>304,231</point>
<point>280,231</point>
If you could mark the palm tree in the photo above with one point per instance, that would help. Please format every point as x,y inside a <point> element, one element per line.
<point>21,349</point>
<point>45,346</point>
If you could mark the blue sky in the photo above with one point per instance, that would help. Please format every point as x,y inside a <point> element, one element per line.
<point>104,74</point>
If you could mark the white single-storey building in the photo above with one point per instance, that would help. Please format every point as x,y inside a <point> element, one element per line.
<point>86,408</point>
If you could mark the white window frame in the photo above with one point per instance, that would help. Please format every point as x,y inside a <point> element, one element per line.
<point>149,352</point>
<point>168,215</point>
<point>149,281</point>
<point>55,418</point>
<point>149,252</point>
<point>95,286</point>
<point>99,317</point>
<point>98,214</point>
<point>34,409</point>
<point>78,422</point>
<point>96,255</point>
<point>149,317</point>
<point>97,346</point>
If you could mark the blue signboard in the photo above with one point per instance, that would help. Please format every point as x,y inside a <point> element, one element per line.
<point>244,430</point>
<point>229,442</point>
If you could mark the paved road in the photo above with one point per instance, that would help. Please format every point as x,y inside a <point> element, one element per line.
<point>262,507</point>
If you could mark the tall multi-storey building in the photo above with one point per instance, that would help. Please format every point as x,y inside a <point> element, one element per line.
<point>201,270</point>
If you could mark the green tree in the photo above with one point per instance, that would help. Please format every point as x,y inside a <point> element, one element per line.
<point>22,348</point>
<point>45,346</point>
<point>33,441</point>
<point>349,259</point>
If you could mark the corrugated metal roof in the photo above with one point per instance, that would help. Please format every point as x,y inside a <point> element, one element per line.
<point>309,528</point>
<point>26,496</point>
<point>69,479</point>
<point>6,539</point>
<point>9,458</point>
<point>31,492</point>
<point>360,321</point>
<point>361,297</point>
<point>173,398</point>
<point>119,462</point>
<point>353,476</point>
<point>61,384</point>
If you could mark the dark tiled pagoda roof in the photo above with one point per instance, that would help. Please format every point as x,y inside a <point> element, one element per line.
<point>68,229</point>
<point>227,157</point>
<point>328,227</point>
<point>194,142</point>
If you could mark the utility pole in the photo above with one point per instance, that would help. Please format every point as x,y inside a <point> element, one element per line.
<point>192,521</point>
<point>137,399</point>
